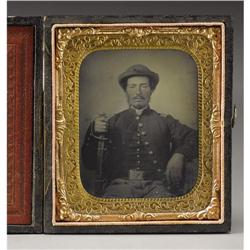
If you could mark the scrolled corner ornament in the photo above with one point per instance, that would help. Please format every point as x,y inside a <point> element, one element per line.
<point>65,212</point>
<point>212,211</point>
<point>68,214</point>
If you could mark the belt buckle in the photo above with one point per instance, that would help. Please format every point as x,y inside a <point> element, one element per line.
<point>135,174</point>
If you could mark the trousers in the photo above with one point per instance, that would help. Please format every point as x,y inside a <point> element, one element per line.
<point>123,188</point>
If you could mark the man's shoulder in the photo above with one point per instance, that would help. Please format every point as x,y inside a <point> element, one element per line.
<point>163,116</point>
<point>166,116</point>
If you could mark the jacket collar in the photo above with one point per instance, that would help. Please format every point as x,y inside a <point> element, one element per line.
<point>139,112</point>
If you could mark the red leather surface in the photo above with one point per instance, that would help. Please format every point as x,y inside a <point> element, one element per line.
<point>19,124</point>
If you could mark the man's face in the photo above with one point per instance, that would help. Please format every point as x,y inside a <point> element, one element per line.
<point>138,91</point>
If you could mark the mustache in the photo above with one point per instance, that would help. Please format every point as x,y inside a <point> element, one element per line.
<point>138,97</point>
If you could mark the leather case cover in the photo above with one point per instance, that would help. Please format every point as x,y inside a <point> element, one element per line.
<point>19,124</point>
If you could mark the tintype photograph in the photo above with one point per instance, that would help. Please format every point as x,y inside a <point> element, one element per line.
<point>138,121</point>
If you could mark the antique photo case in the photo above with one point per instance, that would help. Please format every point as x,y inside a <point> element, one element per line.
<point>25,125</point>
<point>139,127</point>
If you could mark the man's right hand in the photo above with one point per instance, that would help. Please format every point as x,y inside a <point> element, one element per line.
<point>101,123</point>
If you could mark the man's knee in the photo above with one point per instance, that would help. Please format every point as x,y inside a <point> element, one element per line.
<point>157,189</point>
<point>118,189</point>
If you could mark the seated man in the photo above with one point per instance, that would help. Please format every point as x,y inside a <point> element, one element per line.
<point>144,152</point>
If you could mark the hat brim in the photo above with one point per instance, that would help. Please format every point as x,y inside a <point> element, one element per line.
<point>153,77</point>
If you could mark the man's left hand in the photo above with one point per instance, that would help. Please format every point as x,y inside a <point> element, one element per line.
<point>174,171</point>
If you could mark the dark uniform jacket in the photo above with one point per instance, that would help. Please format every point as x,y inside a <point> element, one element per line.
<point>144,142</point>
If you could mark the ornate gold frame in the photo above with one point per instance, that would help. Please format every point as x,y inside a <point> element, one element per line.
<point>71,43</point>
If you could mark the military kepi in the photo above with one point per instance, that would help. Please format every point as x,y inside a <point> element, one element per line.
<point>138,70</point>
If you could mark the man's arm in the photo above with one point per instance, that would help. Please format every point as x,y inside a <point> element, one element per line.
<point>184,139</point>
<point>89,149</point>
<point>185,148</point>
<point>93,147</point>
